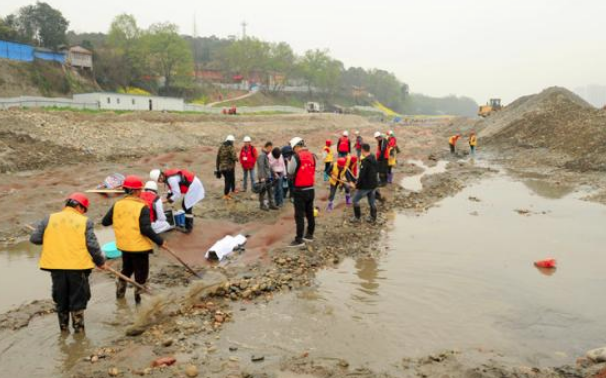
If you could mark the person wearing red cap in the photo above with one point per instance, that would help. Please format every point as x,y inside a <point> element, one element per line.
<point>134,234</point>
<point>340,176</point>
<point>328,157</point>
<point>69,252</point>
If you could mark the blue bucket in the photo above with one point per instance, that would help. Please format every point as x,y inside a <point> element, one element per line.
<point>180,218</point>
<point>111,251</point>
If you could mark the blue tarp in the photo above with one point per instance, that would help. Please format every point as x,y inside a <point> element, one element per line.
<point>16,51</point>
<point>26,53</point>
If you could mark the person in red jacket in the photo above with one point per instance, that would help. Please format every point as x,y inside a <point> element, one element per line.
<point>248,161</point>
<point>382,157</point>
<point>344,145</point>
<point>302,169</point>
<point>358,145</point>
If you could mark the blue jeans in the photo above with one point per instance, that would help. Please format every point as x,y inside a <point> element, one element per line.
<point>368,193</point>
<point>279,190</point>
<point>251,173</point>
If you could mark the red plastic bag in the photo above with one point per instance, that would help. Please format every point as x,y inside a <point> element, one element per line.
<point>546,264</point>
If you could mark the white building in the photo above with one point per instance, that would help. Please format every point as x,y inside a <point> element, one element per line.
<point>121,101</point>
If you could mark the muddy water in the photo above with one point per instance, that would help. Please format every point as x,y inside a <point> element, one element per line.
<point>459,277</point>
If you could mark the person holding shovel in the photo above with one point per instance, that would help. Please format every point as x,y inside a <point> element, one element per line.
<point>70,252</point>
<point>134,235</point>
<point>339,177</point>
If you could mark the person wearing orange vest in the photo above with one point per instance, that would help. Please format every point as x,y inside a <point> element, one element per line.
<point>302,169</point>
<point>344,145</point>
<point>134,235</point>
<point>340,177</point>
<point>156,209</point>
<point>452,143</point>
<point>473,143</point>
<point>184,184</point>
<point>70,252</point>
<point>328,158</point>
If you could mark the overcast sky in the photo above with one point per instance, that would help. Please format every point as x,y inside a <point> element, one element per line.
<point>479,48</point>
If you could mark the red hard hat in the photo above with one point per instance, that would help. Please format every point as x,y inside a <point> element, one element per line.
<point>341,162</point>
<point>80,198</point>
<point>328,142</point>
<point>133,182</point>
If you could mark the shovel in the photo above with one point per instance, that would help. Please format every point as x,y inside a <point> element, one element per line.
<point>129,280</point>
<point>189,269</point>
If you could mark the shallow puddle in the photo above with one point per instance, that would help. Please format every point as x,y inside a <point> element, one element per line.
<point>459,277</point>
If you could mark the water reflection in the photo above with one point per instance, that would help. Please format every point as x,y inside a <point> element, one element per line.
<point>368,272</point>
<point>547,189</point>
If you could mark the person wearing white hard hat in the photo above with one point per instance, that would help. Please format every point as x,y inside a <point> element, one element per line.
<point>302,170</point>
<point>156,209</point>
<point>184,184</point>
<point>226,166</point>
<point>248,160</point>
<point>344,145</point>
<point>382,157</point>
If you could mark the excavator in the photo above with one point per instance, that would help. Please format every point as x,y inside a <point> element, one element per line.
<point>494,105</point>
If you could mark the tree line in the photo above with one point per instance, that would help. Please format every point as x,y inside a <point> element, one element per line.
<point>161,60</point>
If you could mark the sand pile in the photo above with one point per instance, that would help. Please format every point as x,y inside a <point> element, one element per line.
<point>556,120</point>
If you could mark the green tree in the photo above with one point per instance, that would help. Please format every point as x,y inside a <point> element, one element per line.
<point>246,56</point>
<point>320,71</point>
<point>281,62</point>
<point>7,32</point>
<point>41,24</point>
<point>168,55</point>
<point>125,52</point>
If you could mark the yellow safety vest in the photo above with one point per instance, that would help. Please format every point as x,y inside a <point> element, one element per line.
<point>64,242</point>
<point>329,156</point>
<point>126,225</point>
<point>335,173</point>
<point>473,140</point>
<point>392,158</point>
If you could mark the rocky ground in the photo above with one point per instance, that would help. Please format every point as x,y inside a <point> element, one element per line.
<point>177,331</point>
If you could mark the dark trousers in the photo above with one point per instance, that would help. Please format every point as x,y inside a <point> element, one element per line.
<point>71,290</point>
<point>452,148</point>
<point>304,208</point>
<point>230,181</point>
<point>383,168</point>
<point>189,216</point>
<point>137,263</point>
<point>266,190</point>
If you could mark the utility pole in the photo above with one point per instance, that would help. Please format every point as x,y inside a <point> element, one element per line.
<point>244,25</point>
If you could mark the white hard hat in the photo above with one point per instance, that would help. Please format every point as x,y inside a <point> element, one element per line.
<point>390,132</point>
<point>247,139</point>
<point>357,132</point>
<point>377,134</point>
<point>151,185</point>
<point>155,174</point>
<point>345,133</point>
<point>230,138</point>
<point>296,141</point>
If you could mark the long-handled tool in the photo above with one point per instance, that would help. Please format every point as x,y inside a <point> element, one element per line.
<point>129,280</point>
<point>189,269</point>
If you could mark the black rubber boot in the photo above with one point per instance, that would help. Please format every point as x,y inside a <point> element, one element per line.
<point>78,321</point>
<point>189,224</point>
<point>357,215</point>
<point>63,321</point>
<point>137,295</point>
<point>373,214</point>
<point>120,289</point>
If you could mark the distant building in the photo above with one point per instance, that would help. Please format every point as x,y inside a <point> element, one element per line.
<point>120,101</point>
<point>79,57</point>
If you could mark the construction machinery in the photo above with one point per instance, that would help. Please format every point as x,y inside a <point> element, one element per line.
<point>494,105</point>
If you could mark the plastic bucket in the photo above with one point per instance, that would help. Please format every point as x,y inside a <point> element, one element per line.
<point>180,218</point>
<point>111,251</point>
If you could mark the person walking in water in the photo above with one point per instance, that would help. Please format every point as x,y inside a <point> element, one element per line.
<point>70,252</point>
<point>473,143</point>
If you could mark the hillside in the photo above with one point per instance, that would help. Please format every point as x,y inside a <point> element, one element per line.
<point>556,120</point>
<point>40,78</point>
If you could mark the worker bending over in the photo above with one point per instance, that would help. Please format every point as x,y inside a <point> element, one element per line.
<point>69,252</point>
<point>340,177</point>
<point>452,143</point>
<point>156,208</point>
<point>181,184</point>
<point>134,235</point>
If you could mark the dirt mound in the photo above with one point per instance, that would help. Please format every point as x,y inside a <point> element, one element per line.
<point>556,120</point>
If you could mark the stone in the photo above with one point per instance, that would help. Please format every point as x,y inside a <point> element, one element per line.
<point>167,342</point>
<point>113,372</point>
<point>257,358</point>
<point>191,371</point>
<point>597,355</point>
<point>164,361</point>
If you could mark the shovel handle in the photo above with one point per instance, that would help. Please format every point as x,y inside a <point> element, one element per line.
<point>189,269</point>
<point>129,280</point>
